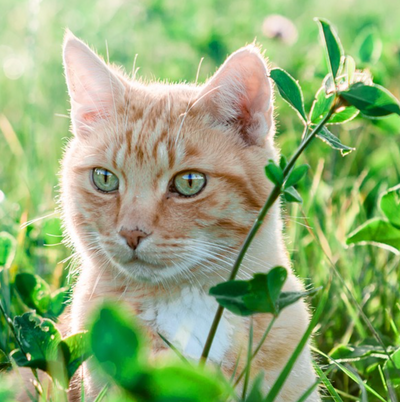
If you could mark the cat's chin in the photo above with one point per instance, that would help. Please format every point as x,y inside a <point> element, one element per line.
<point>145,272</point>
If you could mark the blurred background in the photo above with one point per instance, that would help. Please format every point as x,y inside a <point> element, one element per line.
<point>170,37</point>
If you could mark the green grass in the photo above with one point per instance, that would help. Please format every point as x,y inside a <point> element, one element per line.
<point>170,37</point>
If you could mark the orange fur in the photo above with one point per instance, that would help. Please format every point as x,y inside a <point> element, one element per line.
<point>145,134</point>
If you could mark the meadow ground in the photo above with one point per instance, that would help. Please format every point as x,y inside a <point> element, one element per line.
<point>170,37</point>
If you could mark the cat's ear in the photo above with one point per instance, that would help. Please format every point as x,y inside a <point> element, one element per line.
<point>240,95</point>
<point>95,90</point>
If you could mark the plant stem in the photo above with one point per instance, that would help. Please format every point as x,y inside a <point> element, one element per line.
<point>249,357</point>
<point>257,349</point>
<point>273,196</point>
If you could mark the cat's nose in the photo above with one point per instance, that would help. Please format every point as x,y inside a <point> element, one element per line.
<point>133,237</point>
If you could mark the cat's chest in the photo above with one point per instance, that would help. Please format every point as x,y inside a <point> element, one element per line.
<point>185,321</point>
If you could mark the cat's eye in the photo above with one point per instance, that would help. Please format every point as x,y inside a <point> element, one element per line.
<point>189,183</point>
<point>104,180</point>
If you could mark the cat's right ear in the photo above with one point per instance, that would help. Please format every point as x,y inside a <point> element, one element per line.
<point>95,90</point>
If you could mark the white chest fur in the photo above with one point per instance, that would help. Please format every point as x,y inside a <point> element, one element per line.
<point>186,320</point>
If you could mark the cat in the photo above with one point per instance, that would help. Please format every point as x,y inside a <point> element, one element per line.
<point>160,185</point>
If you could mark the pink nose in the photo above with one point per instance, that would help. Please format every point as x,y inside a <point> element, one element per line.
<point>133,237</point>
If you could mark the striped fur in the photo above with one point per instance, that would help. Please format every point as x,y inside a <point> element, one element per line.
<point>145,134</point>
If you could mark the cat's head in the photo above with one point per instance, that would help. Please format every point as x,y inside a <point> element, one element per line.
<point>165,180</point>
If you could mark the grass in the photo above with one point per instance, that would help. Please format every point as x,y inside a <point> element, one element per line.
<point>170,38</point>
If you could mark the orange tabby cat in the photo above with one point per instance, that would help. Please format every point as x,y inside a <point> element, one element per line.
<point>160,185</point>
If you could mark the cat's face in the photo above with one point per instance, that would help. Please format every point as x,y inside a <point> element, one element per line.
<point>165,180</point>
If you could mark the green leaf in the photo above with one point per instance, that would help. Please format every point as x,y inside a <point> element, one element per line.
<point>350,69</point>
<point>283,162</point>
<point>377,232</point>
<point>393,368</point>
<point>52,231</point>
<point>370,49</point>
<point>274,173</point>
<point>321,106</point>
<point>349,353</point>
<point>256,392</point>
<point>116,344</point>
<point>34,292</point>
<point>262,294</point>
<point>390,205</point>
<point>257,295</point>
<point>326,136</point>
<point>373,101</point>
<point>288,298</point>
<point>39,339</point>
<point>59,300</point>
<point>8,246</point>
<point>184,383</point>
<point>290,90</point>
<point>296,175</point>
<point>292,195</point>
<point>265,290</point>
<point>333,46</point>
<point>74,350</point>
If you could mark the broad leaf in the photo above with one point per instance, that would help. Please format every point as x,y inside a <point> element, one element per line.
<point>262,294</point>
<point>183,383</point>
<point>292,195</point>
<point>372,101</point>
<point>116,344</point>
<point>321,106</point>
<point>370,48</point>
<point>274,173</point>
<point>326,136</point>
<point>377,232</point>
<point>257,295</point>
<point>296,175</point>
<point>290,90</point>
<point>390,205</point>
<point>39,339</point>
<point>59,300</point>
<point>34,292</point>
<point>332,45</point>
<point>283,162</point>
<point>7,249</point>
<point>74,351</point>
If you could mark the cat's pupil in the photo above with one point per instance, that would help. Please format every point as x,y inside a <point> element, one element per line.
<point>106,174</point>
<point>190,180</point>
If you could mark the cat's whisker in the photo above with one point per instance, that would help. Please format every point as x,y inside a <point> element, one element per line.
<point>28,223</point>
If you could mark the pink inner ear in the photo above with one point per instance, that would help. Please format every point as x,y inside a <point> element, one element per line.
<point>240,95</point>
<point>91,117</point>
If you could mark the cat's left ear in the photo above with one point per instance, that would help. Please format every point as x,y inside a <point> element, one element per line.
<point>95,90</point>
<point>239,95</point>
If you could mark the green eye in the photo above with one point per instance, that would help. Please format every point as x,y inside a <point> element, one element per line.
<point>189,183</point>
<point>104,180</point>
